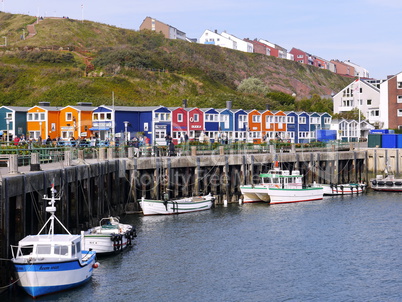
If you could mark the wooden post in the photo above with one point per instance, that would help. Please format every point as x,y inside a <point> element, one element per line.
<point>81,155</point>
<point>67,158</point>
<point>130,152</point>
<point>102,153</point>
<point>109,153</point>
<point>196,189</point>
<point>35,163</point>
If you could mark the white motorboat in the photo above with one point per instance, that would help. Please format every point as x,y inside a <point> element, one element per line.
<point>47,263</point>
<point>109,237</point>
<point>281,186</point>
<point>342,189</point>
<point>183,205</point>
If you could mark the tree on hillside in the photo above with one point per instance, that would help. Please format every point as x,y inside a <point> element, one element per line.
<point>350,115</point>
<point>281,101</point>
<point>253,86</point>
<point>315,104</point>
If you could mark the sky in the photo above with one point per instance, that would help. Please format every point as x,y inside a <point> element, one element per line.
<point>366,32</point>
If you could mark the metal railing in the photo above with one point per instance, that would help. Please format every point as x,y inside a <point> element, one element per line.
<point>51,153</point>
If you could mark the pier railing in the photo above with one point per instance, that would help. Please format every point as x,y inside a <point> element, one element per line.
<point>35,155</point>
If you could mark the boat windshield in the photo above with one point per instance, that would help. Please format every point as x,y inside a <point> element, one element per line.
<point>76,248</point>
<point>26,250</point>
<point>43,249</point>
<point>61,249</point>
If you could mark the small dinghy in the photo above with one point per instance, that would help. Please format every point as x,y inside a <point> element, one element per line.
<point>110,236</point>
<point>178,206</point>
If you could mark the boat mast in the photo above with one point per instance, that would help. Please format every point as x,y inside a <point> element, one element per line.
<point>52,210</point>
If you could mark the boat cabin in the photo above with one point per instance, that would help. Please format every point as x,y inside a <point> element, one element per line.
<point>282,178</point>
<point>45,247</point>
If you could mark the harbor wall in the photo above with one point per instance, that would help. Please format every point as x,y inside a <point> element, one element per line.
<point>92,189</point>
<point>381,159</point>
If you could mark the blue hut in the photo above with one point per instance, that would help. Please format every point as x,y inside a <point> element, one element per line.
<point>240,125</point>
<point>292,124</point>
<point>211,121</point>
<point>303,127</point>
<point>13,120</point>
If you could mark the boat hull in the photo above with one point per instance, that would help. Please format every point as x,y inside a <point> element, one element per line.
<point>343,189</point>
<point>106,244</point>
<point>254,194</point>
<point>387,184</point>
<point>158,207</point>
<point>44,278</point>
<point>279,196</point>
<point>109,239</point>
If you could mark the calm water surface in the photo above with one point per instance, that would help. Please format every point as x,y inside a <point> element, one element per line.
<point>336,249</point>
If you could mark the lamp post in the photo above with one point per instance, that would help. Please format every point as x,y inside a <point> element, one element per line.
<point>40,132</point>
<point>125,132</point>
<point>8,128</point>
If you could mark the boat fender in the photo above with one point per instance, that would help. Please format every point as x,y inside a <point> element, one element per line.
<point>121,241</point>
<point>95,265</point>
<point>128,237</point>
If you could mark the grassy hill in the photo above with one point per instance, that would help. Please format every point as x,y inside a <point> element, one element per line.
<point>70,61</point>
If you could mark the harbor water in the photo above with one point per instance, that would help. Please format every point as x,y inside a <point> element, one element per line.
<point>336,249</point>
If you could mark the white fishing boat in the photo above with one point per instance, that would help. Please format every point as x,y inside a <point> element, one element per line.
<point>342,189</point>
<point>109,236</point>
<point>47,263</point>
<point>281,186</point>
<point>183,205</point>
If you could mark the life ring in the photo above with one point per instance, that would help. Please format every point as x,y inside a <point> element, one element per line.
<point>191,119</point>
<point>277,186</point>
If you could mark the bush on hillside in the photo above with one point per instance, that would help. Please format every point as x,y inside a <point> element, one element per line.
<point>46,57</point>
<point>253,86</point>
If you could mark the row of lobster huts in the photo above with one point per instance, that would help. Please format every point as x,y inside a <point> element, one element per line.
<point>225,125</point>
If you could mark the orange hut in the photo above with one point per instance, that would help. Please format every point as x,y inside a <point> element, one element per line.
<point>75,121</point>
<point>268,125</point>
<point>254,126</point>
<point>280,124</point>
<point>42,121</point>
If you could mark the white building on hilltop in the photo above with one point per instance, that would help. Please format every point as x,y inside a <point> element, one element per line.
<point>359,71</point>
<point>240,44</point>
<point>213,38</point>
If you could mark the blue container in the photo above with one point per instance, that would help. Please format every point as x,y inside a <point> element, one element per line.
<point>389,141</point>
<point>399,141</point>
<point>379,131</point>
<point>326,135</point>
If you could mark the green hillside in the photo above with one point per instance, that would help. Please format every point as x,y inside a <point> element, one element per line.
<point>70,61</point>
